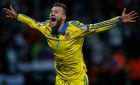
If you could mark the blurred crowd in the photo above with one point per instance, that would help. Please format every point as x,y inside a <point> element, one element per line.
<point>112,57</point>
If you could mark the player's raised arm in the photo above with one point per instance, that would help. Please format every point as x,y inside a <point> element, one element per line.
<point>86,29</point>
<point>11,14</point>
<point>124,18</point>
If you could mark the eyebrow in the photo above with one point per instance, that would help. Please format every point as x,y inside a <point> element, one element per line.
<point>54,10</point>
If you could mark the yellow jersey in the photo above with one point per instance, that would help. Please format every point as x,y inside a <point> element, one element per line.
<point>67,44</point>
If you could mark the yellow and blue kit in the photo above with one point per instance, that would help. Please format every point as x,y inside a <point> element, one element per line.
<point>67,44</point>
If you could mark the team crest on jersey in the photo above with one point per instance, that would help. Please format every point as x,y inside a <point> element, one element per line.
<point>67,35</point>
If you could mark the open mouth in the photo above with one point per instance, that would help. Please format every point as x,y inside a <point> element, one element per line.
<point>53,19</point>
<point>53,22</point>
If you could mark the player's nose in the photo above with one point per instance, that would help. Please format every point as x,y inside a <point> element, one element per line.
<point>52,14</point>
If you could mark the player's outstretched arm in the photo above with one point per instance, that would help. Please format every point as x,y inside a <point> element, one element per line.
<point>10,13</point>
<point>106,25</point>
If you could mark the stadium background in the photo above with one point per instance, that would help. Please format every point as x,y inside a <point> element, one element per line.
<point>112,57</point>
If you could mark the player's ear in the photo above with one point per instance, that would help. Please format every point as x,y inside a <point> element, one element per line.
<point>64,17</point>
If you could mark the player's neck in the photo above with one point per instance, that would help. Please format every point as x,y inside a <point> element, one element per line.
<point>62,24</point>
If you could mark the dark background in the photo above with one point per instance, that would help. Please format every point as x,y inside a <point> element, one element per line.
<point>112,57</point>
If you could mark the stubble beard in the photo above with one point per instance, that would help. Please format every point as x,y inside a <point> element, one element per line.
<point>57,25</point>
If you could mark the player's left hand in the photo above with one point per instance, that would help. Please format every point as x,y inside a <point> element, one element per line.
<point>130,17</point>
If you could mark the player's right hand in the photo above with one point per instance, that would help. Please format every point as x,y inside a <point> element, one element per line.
<point>10,13</point>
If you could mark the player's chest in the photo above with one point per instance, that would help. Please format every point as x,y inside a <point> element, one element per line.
<point>61,42</point>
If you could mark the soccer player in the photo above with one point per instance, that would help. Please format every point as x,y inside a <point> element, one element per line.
<point>66,40</point>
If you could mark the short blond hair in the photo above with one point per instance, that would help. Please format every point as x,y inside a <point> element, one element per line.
<point>61,5</point>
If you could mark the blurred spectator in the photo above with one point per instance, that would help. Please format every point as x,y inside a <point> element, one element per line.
<point>134,70</point>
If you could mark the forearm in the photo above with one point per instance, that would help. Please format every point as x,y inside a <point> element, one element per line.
<point>105,25</point>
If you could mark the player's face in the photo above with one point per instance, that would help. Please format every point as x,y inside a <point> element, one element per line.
<point>57,16</point>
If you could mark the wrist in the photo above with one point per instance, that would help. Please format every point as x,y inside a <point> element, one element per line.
<point>16,16</point>
<point>120,20</point>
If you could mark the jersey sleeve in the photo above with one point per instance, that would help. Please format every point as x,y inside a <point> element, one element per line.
<point>85,29</point>
<point>31,22</point>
